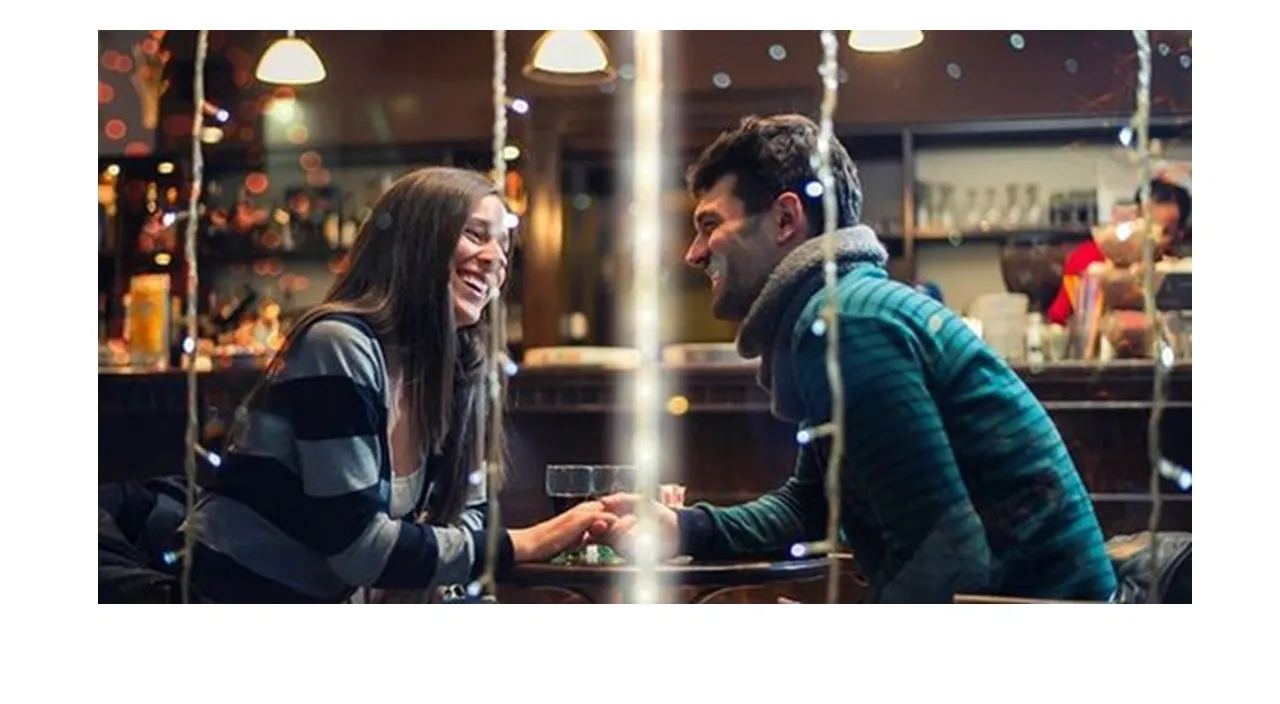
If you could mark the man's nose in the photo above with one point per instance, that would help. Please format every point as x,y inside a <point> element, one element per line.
<point>698,253</point>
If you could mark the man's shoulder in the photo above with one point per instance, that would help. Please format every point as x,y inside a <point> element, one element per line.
<point>878,301</point>
<point>881,314</point>
<point>878,314</point>
<point>1081,257</point>
<point>865,292</point>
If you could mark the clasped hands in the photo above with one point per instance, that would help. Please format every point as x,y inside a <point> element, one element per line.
<point>610,521</point>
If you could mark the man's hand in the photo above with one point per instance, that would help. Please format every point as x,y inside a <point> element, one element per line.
<point>621,534</point>
<point>564,532</point>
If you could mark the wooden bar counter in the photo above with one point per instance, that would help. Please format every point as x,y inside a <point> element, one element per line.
<point>723,444</point>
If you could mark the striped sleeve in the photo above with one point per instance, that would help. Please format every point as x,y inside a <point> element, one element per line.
<point>332,390</point>
<point>796,512</point>
<point>934,542</point>
<point>475,515</point>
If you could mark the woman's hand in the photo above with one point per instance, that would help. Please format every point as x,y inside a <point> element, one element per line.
<point>621,534</point>
<point>564,532</point>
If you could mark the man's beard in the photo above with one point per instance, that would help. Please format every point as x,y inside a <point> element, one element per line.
<point>739,287</point>
<point>730,303</point>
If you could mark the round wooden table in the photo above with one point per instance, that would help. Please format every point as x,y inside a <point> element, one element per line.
<point>599,584</point>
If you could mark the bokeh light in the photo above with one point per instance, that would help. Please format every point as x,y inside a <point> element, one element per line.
<point>256,183</point>
<point>297,133</point>
<point>115,128</point>
<point>319,177</point>
<point>309,160</point>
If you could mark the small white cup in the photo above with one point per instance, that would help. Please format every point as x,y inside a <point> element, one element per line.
<point>671,495</point>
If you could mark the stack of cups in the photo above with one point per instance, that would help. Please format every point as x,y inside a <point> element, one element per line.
<point>1004,323</point>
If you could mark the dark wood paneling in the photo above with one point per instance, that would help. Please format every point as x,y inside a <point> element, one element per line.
<point>388,87</point>
<point>729,448</point>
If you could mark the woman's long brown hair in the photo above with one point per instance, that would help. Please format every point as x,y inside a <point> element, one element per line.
<point>398,281</point>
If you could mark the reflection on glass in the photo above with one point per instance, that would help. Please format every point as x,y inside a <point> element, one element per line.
<point>570,484</point>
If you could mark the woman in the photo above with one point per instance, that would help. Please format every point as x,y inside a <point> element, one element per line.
<point>348,466</point>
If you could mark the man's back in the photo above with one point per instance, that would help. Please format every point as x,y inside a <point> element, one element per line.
<point>936,423</point>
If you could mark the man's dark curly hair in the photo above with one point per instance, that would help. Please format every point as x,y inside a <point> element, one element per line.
<point>771,156</point>
<point>1165,192</point>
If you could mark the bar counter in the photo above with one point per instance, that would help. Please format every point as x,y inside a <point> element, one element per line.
<point>723,444</point>
<point>1059,385</point>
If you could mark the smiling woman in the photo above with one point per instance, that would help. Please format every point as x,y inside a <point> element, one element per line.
<point>480,260</point>
<point>348,466</point>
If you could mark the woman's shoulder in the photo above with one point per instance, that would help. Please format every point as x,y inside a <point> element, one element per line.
<point>338,329</point>
<point>336,344</point>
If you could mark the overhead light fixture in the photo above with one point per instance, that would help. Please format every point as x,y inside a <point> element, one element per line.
<point>881,41</point>
<point>570,58</point>
<point>290,62</point>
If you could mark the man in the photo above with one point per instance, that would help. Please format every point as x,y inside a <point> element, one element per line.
<point>1169,207</point>
<point>955,480</point>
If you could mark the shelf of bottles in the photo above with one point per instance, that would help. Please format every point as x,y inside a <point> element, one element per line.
<point>945,211</point>
<point>271,240</point>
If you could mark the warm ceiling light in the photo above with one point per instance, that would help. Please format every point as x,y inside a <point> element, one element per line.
<point>290,62</point>
<point>881,41</point>
<point>571,58</point>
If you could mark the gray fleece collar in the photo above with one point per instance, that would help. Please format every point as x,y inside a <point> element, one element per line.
<point>854,245</point>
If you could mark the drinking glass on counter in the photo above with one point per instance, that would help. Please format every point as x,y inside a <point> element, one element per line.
<point>671,495</point>
<point>571,484</point>
<point>147,320</point>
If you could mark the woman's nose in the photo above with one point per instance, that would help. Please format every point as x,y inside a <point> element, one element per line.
<point>493,258</point>
<point>491,253</point>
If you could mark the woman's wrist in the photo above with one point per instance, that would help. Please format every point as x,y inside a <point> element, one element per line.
<point>523,544</point>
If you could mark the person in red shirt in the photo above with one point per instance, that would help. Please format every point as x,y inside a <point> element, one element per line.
<point>1169,206</point>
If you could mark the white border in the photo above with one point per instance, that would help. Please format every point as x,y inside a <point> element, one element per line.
<point>563,653</point>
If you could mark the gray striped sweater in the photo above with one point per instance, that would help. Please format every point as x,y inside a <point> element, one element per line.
<point>300,510</point>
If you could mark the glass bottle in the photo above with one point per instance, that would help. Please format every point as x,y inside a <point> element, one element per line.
<point>1013,210</point>
<point>1033,215</point>
<point>972,210</point>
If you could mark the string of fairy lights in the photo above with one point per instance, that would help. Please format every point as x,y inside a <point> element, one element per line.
<point>189,346</point>
<point>646,262</point>
<point>1161,353</point>
<point>647,158</point>
<point>828,324</point>
<point>496,362</point>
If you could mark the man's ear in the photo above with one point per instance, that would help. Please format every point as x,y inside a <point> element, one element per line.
<point>793,223</point>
